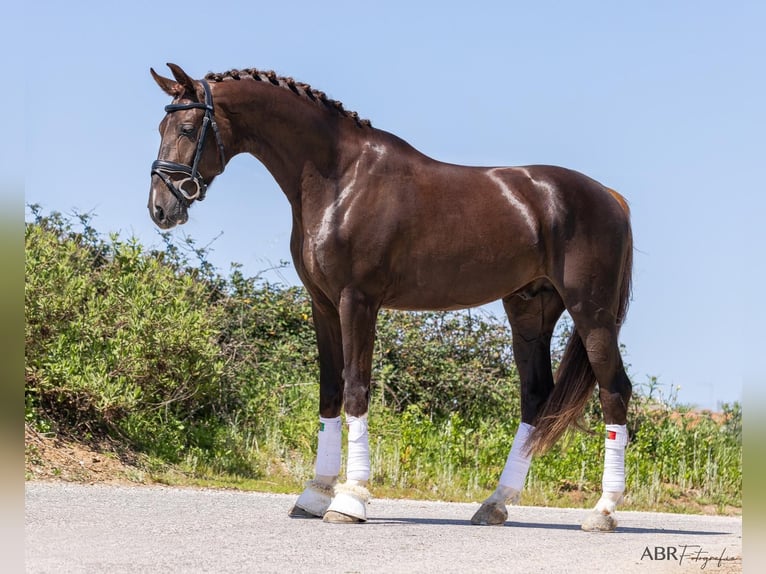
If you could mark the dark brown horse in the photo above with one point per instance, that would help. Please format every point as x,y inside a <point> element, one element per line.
<point>378,224</point>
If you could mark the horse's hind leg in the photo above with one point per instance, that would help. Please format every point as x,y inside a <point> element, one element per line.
<point>533,314</point>
<point>317,496</point>
<point>598,329</point>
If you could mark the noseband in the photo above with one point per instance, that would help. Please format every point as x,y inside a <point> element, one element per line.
<point>192,186</point>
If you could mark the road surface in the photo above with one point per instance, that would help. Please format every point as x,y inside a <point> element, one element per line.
<point>75,528</point>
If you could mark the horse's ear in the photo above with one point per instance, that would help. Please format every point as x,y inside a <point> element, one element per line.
<point>189,86</point>
<point>183,85</point>
<point>170,87</point>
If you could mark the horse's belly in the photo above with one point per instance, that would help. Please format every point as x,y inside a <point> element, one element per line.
<point>459,286</point>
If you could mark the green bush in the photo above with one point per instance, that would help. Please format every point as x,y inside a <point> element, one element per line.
<point>116,341</point>
<point>446,363</point>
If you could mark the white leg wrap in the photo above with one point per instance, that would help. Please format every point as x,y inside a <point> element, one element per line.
<point>614,459</point>
<point>613,482</point>
<point>516,467</point>
<point>358,467</point>
<point>493,511</point>
<point>328,449</point>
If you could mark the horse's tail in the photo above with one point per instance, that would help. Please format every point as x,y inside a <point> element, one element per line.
<point>575,379</point>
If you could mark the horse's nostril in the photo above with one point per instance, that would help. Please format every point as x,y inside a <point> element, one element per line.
<point>159,213</point>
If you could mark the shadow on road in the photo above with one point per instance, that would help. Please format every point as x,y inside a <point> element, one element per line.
<point>542,526</point>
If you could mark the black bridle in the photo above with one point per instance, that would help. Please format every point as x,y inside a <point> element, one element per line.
<point>164,169</point>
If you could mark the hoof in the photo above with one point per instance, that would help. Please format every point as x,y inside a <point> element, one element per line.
<point>599,522</point>
<point>313,501</point>
<point>298,512</point>
<point>490,514</point>
<point>349,505</point>
<point>333,517</point>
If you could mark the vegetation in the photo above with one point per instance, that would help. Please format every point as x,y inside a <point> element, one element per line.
<point>213,378</point>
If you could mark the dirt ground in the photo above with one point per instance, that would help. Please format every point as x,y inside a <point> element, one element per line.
<point>56,458</point>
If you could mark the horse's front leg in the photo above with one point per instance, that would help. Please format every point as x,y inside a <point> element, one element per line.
<point>316,497</point>
<point>358,315</point>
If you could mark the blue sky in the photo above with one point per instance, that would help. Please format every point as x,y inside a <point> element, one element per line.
<point>663,101</point>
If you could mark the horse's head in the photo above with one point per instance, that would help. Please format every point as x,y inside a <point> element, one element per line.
<point>189,158</point>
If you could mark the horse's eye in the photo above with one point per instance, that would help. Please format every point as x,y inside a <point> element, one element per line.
<point>187,130</point>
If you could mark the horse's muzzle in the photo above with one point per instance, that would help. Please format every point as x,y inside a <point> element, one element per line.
<point>168,214</point>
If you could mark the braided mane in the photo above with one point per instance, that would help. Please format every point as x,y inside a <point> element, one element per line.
<point>299,88</point>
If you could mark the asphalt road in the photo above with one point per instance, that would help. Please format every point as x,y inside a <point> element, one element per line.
<point>113,529</point>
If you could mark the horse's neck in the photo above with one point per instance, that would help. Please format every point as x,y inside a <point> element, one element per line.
<point>287,134</point>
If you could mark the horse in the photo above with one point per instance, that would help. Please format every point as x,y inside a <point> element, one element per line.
<point>378,224</point>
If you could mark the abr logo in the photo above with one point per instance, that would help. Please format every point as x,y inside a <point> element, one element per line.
<point>660,553</point>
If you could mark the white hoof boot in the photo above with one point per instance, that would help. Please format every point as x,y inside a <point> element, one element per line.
<point>349,504</point>
<point>313,501</point>
<point>603,519</point>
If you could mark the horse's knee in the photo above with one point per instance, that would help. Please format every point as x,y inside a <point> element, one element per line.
<point>356,398</point>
